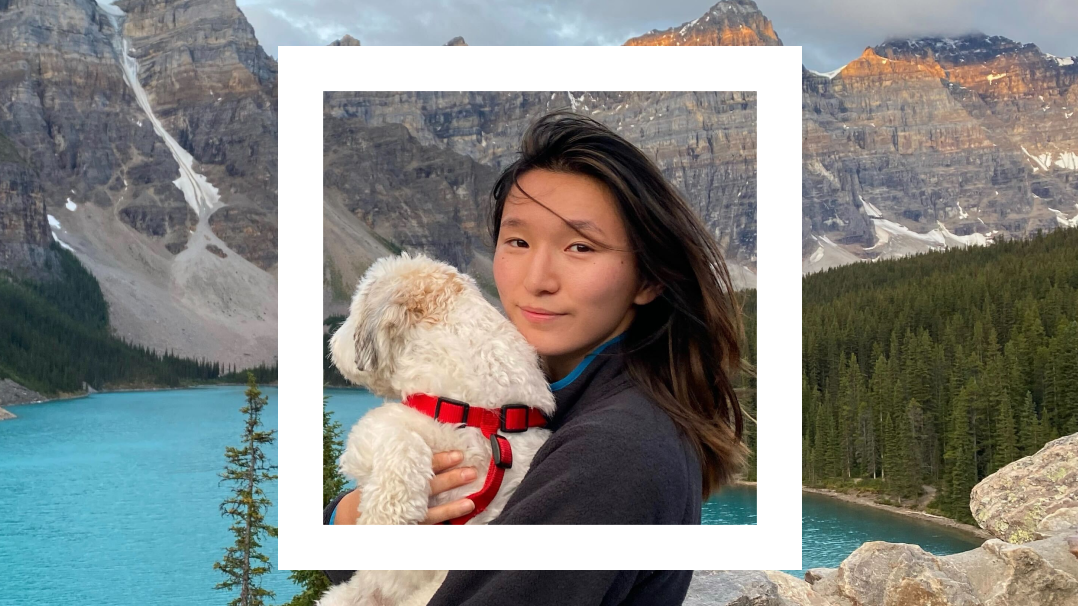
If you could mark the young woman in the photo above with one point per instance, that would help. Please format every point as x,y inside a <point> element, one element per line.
<point>607,271</point>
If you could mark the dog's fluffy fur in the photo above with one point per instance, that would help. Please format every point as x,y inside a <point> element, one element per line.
<point>419,326</point>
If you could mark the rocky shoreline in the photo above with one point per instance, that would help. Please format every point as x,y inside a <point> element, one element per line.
<point>13,394</point>
<point>913,513</point>
<point>1032,503</point>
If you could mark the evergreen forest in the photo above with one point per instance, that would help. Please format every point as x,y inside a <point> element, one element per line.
<point>923,375</point>
<point>55,336</point>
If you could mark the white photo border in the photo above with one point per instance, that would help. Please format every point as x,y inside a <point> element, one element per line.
<point>774,73</point>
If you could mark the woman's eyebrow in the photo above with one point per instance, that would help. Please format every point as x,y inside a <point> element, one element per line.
<point>580,224</point>
<point>584,224</point>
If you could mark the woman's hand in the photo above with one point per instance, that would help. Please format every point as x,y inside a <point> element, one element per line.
<point>446,478</point>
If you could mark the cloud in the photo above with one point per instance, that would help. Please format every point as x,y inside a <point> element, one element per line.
<point>832,32</point>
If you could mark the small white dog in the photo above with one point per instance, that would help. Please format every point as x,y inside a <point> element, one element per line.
<point>464,378</point>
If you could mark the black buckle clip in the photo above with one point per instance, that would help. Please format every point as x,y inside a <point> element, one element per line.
<point>464,406</point>
<point>496,452</point>
<point>502,417</point>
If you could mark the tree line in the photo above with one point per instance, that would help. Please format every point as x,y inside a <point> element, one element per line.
<point>55,336</point>
<point>938,369</point>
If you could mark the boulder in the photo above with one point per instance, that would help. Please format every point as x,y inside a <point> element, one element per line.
<point>1032,498</point>
<point>1002,574</point>
<point>750,588</point>
<point>896,574</point>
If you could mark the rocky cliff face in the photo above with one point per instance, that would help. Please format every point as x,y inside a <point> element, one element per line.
<point>125,188</point>
<point>215,89</point>
<point>25,238</point>
<point>930,143</point>
<point>67,105</point>
<point>1032,500</point>
<point>728,23</point>
<point>416,168</point>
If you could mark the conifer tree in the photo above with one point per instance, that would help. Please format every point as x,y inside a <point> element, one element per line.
<point>960,457</point>
<point>248,470</point>
<point>895,470</point>
<point>1006,442</point>
<point>909,449</point>
<point>1028,427</point>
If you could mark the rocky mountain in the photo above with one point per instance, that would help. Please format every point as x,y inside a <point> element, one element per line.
<point>1031,505</point>
<point>148,130</point>
<point>728,23</point>
<point>928,143</point>
<point>215,89</point>
<point>415,169</point>
<point>25,238</point>
<point>915,145</point>
<point>345,40</point>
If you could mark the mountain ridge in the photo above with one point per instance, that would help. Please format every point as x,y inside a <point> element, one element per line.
<point>174,280</point>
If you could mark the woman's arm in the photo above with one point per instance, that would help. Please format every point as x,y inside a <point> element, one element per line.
<point>344,508</point>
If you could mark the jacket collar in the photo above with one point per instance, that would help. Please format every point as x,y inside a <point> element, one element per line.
<point>600,371</point>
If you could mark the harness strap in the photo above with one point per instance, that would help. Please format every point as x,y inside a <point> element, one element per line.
<point>511,418</point>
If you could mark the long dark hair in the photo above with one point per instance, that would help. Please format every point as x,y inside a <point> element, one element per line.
<point>683,348</point>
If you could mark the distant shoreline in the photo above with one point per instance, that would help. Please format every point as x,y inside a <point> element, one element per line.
<point>913,513</point>
<point>78,395</point>
<point>867,502</point>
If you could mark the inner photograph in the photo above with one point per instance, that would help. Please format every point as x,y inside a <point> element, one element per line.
<point>539,307</point>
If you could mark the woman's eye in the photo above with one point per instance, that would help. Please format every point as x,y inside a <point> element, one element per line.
<point>510,242</point>
<point>584,246</point>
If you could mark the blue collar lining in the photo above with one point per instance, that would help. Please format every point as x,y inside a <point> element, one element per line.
<point>555,386</point>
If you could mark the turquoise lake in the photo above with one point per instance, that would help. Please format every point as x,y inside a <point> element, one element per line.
<point>113,499</point>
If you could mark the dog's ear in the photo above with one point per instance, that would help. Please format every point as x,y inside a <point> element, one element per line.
<point>377,328</point>
<point>391,305</point>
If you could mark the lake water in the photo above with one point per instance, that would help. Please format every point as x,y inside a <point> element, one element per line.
<point>113,499</point>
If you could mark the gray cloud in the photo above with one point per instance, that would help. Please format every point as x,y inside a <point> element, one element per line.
<point>832,32</point>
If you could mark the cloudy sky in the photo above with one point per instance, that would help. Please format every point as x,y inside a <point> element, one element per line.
<point>832,32</point>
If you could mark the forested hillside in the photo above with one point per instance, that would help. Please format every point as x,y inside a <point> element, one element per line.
<point>54,336</point>
<point>940,368</point>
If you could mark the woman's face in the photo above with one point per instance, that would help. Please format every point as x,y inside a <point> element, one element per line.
<point>564,291</point>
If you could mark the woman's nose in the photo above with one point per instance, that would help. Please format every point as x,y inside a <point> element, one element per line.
<point>541,275</point>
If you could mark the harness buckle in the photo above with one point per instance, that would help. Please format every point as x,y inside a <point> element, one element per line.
<point>464,408</point>
<point>504,417</point>
<point>496,452</point>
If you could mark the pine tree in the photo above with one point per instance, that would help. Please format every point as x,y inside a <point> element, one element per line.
<point>315,582</point>
<point>1027,427</point>
<point>960,458</point>
<point>894,471</point>
<point>1006,442</point>
<point>248,469</point>
<point>909,451</point>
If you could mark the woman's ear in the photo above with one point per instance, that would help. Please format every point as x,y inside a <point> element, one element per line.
<point>647,293</point>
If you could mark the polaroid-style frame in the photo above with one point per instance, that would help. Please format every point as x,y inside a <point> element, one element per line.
<point>774,542</point>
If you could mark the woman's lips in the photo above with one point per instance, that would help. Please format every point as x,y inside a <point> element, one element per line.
<point>537,316</point>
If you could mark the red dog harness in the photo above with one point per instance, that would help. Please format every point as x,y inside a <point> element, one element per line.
<point>511,418</point>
